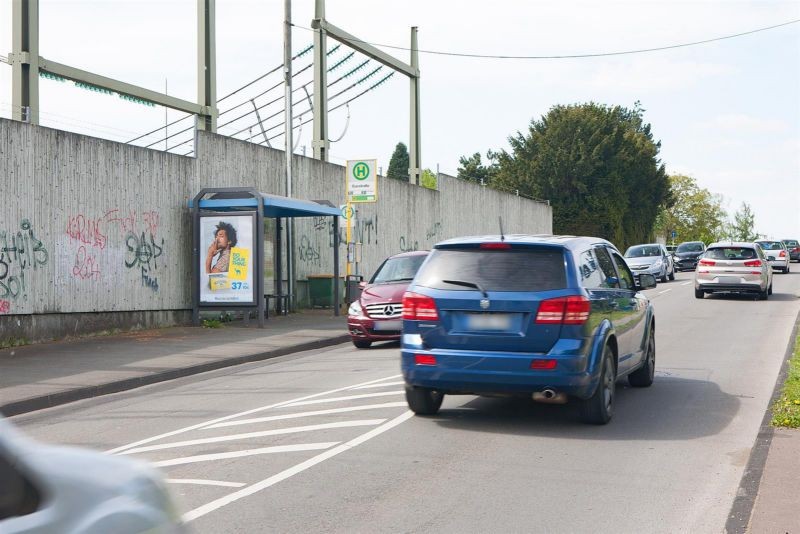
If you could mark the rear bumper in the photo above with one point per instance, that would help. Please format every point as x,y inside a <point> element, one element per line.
<point>779,264</point>
<point>478,372</point>
<point>730,288</point>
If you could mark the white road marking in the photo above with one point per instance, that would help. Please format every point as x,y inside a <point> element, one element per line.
<point>350,397</point>
<point>240,414</point>
<point>274,432</point>
<point>248,452</point>
<point>306,414</point>
<point>665,291</point>
<point>205,482</point>
<point>686,283</point>
<point>398,383</point>
<point>299,468</point>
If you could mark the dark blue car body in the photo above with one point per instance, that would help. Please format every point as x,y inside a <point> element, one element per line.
<point>452,356</point>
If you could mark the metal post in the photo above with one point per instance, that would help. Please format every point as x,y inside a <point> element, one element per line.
<point>336,304</point>
<point>320,143</point>
<point>25,61</point>
<point>289,148</point>
<point>207,64</point>
<point>278,266</point>
<point>414,158</point>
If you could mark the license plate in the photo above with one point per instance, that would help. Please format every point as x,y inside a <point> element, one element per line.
<point>488,321</point>
<point>729,280</point>
<point>382,326</point>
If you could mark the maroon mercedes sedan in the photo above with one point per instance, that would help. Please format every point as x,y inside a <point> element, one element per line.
<point>377,315</point>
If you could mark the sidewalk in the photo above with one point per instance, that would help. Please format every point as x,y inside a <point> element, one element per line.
<point>777,506</point>
<point>49,374</point>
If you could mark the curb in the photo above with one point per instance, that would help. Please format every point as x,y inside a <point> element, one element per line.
<point>742,508</point>
<point>42,402</point>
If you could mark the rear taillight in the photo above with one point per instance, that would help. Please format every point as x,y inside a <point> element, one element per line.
<point>424,359</point>
<point>753,263</point>
<point>782,254</point>
<point>564,310</point>
<point>707,263</point>
<point>796,249</point>
<point>543,365</point>
<point>419,307</point>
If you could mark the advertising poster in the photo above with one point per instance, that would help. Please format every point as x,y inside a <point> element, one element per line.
<point>227,243</point>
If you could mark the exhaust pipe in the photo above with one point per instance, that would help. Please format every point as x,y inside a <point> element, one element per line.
<point>550,396</point>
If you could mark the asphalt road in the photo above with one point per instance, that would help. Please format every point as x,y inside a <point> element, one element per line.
<point>322,441</point>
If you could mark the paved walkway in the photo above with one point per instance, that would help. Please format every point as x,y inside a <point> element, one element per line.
<point>777,506</point>
<point>44,375</point>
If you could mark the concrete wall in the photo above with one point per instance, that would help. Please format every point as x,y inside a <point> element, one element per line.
<point>95,234</point>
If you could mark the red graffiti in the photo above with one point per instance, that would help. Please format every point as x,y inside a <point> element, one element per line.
<point>5,306</point>
<point>151,219</point>
<point>87,231</point>
<point>86,267</point>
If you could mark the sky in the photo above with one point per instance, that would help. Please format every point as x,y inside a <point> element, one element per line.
<point>726,113</point>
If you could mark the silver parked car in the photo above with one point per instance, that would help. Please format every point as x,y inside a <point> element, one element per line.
<point>777,254</point>
<point>733,267</point>
<point>651,259</point>
<point>63,490</point>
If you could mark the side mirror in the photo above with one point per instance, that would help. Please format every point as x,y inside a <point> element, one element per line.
<point>362,284</point>
<point>645,281</point>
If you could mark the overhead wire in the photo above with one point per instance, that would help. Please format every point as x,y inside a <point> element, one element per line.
<point>571,56</point>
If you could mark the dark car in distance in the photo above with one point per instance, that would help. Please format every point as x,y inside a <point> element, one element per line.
<point>377,314</point>
<point>687,254</point>
<point>793,246</point>
<point>547,317</point>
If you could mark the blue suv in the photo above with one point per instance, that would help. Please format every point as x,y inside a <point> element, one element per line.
<point>550,317</point>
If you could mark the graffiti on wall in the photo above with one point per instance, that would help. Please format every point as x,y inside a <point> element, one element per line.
<point>136,232</point>
<point>308,253</point>
<point>20,253</point>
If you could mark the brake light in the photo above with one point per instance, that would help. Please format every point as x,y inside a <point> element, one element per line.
<point>419,307</point>
<point>564,310</point>
<point>495,246</point>
<point>543,365</point>
<point>424,359</point>
<point>796,249</point>
<point>782,254</point>
<point>753,263</point>
<point>707,263</point>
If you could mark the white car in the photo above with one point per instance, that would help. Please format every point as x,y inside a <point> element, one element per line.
<point>64,490</point>
<point>733,268</point>
<point>777,254</point>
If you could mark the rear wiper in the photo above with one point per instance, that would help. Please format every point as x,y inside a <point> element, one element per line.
<point>468,284</point>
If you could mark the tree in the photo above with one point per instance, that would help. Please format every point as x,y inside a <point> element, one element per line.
<point>743,225</point>
<point>472,168</point>
<point>428,179</point>
<point>398,165</point>
<point>694,215</point>
<point>598,166</point>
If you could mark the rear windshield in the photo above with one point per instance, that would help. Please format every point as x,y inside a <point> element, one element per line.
<point>401,269</point>
<point>730,253</point>
<point>791,243</point>
<point>643,251</point>
<point>770,245</point>
<point>495,270</point>
<point>690,247</point>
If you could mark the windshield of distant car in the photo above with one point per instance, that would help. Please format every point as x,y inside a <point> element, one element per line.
<point>730,253</point>
<point>690,247</point>
<point>643,251</point>
<point>402,269</point>
<point>770,245</point>
<point>522,269</point>
<point>790,243</point>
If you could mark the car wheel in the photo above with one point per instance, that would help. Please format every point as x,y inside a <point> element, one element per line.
<point>699,293</point>
<point>599,408</point>
<point>769,291</point>
<point>672,275</point>
<point>362,344</point>
<point>423,401</point>
<point>663,278</point>
<point>763,295</point>
<point>644,375</point>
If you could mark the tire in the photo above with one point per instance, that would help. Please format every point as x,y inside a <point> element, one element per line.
<point>699,293</point>
<point>769,291</point>
<point>362,344</point>
<point>643,377</point>
<point>672,274</point>
<point>763,295</point>
<point>423,401</point>
<point>663,279</point>
<point>599,408</point>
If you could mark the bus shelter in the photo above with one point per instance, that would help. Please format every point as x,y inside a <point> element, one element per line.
<point>228,249</point>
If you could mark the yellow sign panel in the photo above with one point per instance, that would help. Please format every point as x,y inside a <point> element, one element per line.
<point>240,259</point>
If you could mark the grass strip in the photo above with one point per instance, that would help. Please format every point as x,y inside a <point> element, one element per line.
<point>786,410</point>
